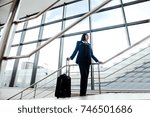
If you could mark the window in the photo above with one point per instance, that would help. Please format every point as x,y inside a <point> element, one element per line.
<point>77,8</point>
<point>1,30</point>
<point>48,59</point>
<point>54,14</point>
<point>108,43</point>
<point>126,1</point>
<point>95,3</point>
<point>69,46</point>
<point>137,12</point>
<point>51,30</point>
<point>82,26</point>
<point>6,75</point>
<point>20,26</point>
<point>138,32</point>
<point>17,38</point>
<point>31,35</point>
<point>107,18</point>
<point>35,22</point>
<point>24,71</point>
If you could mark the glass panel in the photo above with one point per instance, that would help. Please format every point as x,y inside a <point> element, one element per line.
<point>20,26</point>
<point>1,31</point>
<point>48,59</point>
<point>126,1</point>
<point>17,38</point>
<point>69,46</point>
<point>77,8</point>
<point>108,43</point>
<point>138,12</point>
<point>82,26</point>
<point>51,30</point>
<point>25,67</point>
<point>54,14</point>
<point>6,75</point>
<point>107,18</point>
<point>95,3</point>
<point>35,22</point>
<point>31,35</point>
<point>139,32</point>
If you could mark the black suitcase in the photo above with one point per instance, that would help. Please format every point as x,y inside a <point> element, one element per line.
<point>63,86</point>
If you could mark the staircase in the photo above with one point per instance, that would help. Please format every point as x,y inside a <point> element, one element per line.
<point>130,74</point>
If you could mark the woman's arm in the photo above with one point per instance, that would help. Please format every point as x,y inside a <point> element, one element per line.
<point>75,51</point>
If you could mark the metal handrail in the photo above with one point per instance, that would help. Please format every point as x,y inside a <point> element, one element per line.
<point>6,3</point>
<point>35,84</point>
<point>62,32</point>
<point>65,66</point>
<point>38,14</point>
<point>139,42</point>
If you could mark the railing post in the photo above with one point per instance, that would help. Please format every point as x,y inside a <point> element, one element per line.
<point>99,78</point>
<point>21,95</point>
<point>35,87</point>
<point>67,68</point>
<point>92,77</point>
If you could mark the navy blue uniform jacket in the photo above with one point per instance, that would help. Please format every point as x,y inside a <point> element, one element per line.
<point>84,56</point>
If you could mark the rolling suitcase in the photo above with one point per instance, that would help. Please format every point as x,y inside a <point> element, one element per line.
<point>63,86</point>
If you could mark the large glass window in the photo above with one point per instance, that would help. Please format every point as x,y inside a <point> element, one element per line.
<point>137,12</point>
<point>95,3</point>
<point>82,26</point>
<point>107,18</point>
<point>6,75</point>
<point>24,71</point>
<point>69,46</point>
<point>126,1</point>
<point>1,30</point>
<point>51,30</point>
<point>48,59</point>
<point>35,22</point>
<point>17,37</point>
<point>108,43</point>
<point>20,26</point>
<point>54,14</point>
<point>31,35</point>
<point>77,8</point>
<point>138,32</point>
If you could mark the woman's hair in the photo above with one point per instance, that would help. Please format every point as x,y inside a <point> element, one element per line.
<point>83,37</point>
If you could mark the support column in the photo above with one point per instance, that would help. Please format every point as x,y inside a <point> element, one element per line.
<point>61,42</point>
<point>91,41</point>
<point>7,29</point>
<point>125,20</point>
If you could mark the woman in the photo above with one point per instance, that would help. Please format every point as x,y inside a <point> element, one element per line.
<point>85,53</point>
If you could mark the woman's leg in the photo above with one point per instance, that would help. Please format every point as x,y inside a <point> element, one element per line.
<point>84,71</point>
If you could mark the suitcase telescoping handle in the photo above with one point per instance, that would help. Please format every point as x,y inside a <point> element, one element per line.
<point>67,67</point>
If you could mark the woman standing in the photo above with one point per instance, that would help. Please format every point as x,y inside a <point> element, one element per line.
<point>85,53</point>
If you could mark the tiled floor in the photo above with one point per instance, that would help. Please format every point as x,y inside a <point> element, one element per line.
<point>114,96</point>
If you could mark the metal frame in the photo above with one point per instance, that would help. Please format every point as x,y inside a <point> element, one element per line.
<point>61,47</point>
<point>35,84</point>
<point>94,30</point>
<point>16,63</point>
<point>38,14</point>
<point>7,29</point>
<point>62,32</point>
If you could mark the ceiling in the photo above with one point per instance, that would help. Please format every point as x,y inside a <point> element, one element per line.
<point>27,7</point>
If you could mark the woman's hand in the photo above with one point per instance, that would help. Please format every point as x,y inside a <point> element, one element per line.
<point>68,58</point>
<point>99,62</point>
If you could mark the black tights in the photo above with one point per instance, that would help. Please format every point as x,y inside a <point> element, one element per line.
<point>84,72</point>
